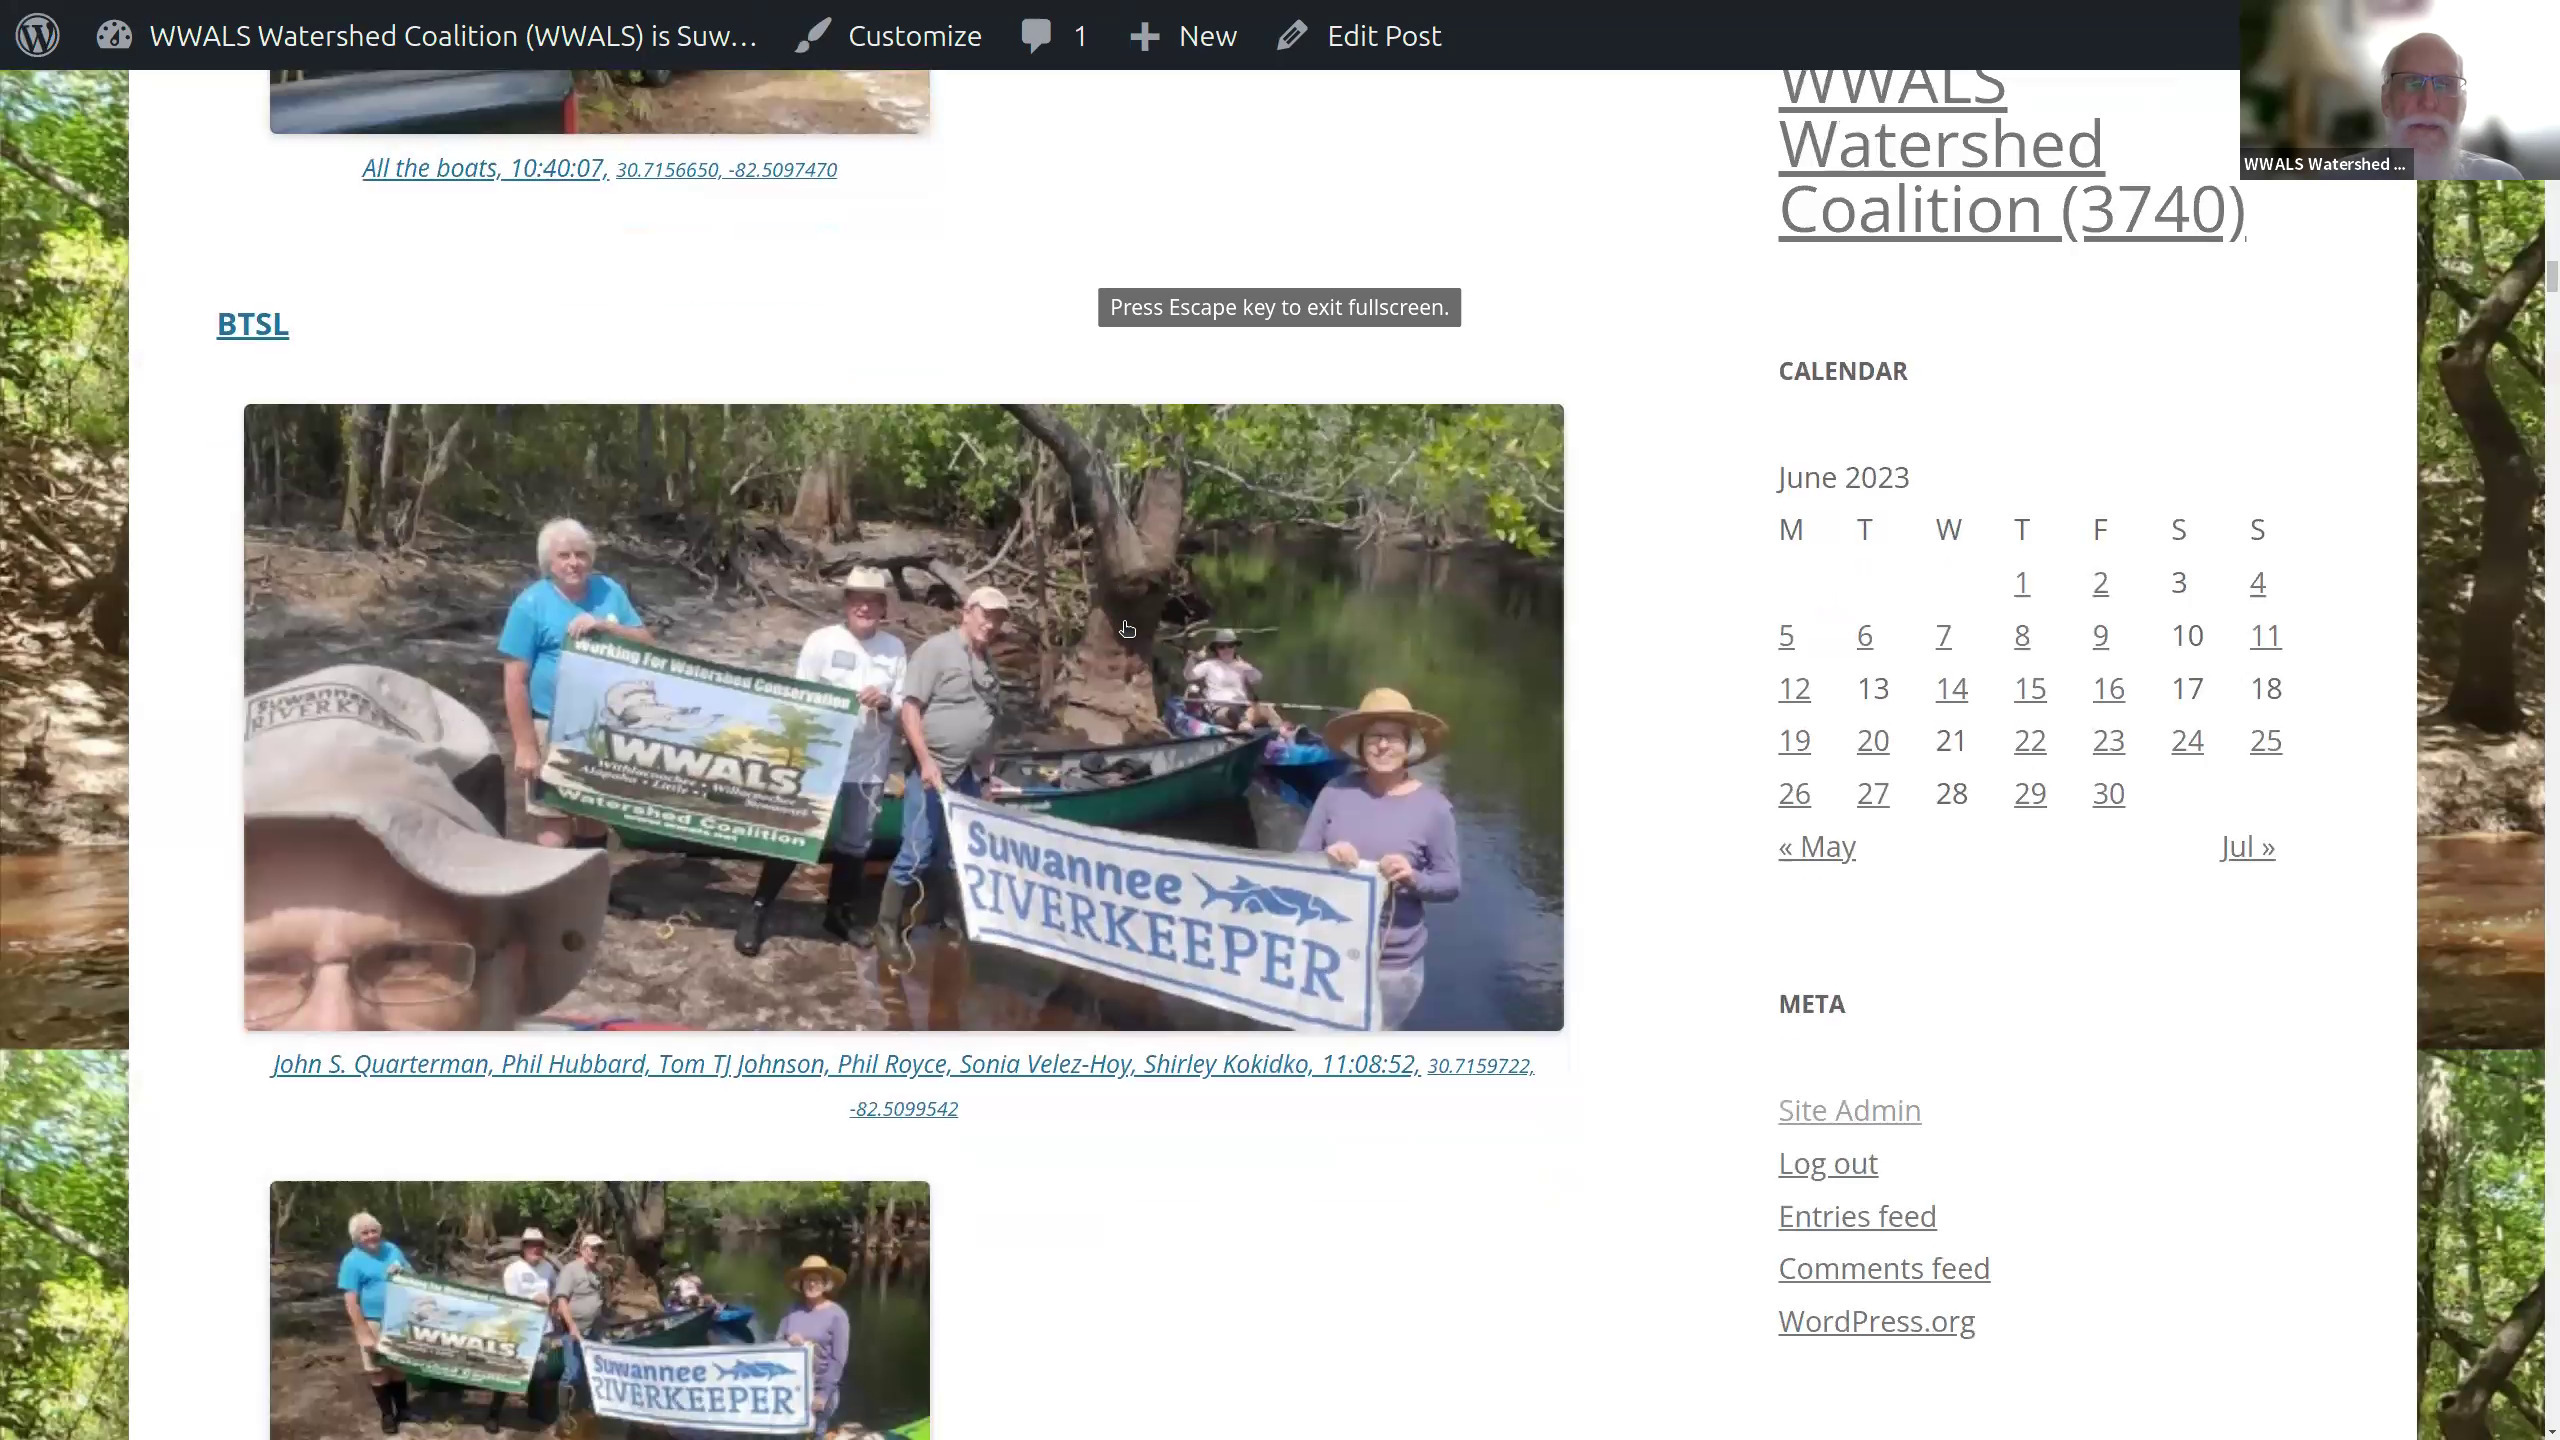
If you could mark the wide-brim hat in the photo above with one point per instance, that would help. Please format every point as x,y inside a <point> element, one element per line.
<point>532,1236</point>
<point>1222,637</point>
<point>815,1264</point>
<point>867,580</point>
<point>389,753</point>
<point>1382,705</point>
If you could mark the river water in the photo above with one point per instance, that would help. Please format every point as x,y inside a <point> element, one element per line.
<point>887,1301</point>
<point>1476,638</point>
<point>2480,942</point>
<point>62,948</point>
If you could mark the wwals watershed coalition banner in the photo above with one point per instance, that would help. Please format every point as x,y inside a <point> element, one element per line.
<point>752,1389</point>
<point>1290,939</point>
<point>474,1338</point>
<point>650,740</point>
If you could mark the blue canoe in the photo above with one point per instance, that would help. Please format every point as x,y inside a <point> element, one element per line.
<point>738,1320</point>
<point>1299,763</point>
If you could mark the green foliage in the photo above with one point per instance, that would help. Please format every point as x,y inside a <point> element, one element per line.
<point>1452,471</point>
<point>431,1218</point>
<point>1449,471</point>
<point>62,256</point>
<point>2483,1223</point>
<point>62,1155</point>
<point>2504,218</point>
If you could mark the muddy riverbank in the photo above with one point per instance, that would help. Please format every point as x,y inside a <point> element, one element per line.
<point>63,776</point>
<point>761,102</point>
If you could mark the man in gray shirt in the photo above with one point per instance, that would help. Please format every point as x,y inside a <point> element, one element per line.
<point>947,712</point>
<point>577,1295</point>
<point>577,1301</point>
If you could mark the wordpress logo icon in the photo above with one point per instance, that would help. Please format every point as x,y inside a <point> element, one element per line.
<point>38,35</point>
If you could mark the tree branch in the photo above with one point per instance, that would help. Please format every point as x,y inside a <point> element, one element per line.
<point>111,1261</point>
<point>437,461</point>
<point>752,477</point>
<point>1116,539</point>
<point>1020,524</point>
<point>2451,1057</point>
<point>2470,300</point>
<point>1300,496</point>
<point>2469,1349</point>
<point>2484,690</point>
<point>109,211</point>
<point>2463,1412</point>
<point>2498,308</point>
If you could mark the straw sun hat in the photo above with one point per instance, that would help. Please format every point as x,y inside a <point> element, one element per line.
<point>1343,731</point>
<point>818,1263</point>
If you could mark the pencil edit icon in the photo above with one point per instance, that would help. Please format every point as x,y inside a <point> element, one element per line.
<point>1296,32</point>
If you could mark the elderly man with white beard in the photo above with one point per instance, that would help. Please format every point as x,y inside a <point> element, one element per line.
<point>2423,97</point>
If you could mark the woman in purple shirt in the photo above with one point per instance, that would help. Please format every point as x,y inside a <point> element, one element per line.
<point>821,1324</point>
<point>1380,812</point>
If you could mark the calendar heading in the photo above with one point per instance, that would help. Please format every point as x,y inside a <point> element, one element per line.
<point>1928,131</point>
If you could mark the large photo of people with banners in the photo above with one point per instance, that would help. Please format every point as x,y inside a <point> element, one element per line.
<point>993,717</point>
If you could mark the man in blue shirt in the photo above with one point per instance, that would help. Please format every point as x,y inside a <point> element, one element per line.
<point>568,601</point>
<point>365,1277</point>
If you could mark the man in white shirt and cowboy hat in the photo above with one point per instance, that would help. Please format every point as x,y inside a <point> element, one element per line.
<point>381,893</point>
<point>861,657</point>
<point>529,1277</point>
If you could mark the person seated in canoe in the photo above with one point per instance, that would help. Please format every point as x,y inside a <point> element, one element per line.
<point>1381,811</point>
<point>379,892</point>
<point>857,656</point>
<point>820,1323</point>
<point>685,1292</point>
<point>1225,682</point>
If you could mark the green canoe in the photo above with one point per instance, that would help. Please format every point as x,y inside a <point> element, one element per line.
<point>677,1328</point>
<point>1151,780</point>
<point>1115,786</point>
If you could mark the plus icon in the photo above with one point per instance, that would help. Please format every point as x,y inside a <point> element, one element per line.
<point>1145,37</point>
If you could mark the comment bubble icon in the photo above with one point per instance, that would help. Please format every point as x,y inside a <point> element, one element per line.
<point>1035,33</point>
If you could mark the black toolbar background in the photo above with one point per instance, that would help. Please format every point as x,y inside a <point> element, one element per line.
<point>1900,34</point>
